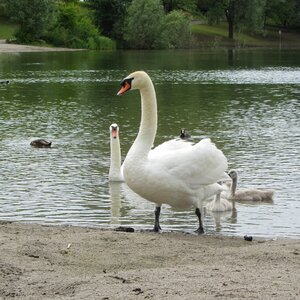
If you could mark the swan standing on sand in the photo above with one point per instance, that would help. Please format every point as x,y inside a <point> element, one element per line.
<point>115,170</point>
<point>181,178</point>
<point>247,194</point>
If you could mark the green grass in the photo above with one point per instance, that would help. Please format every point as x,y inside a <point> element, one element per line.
<point>216,36</point>
<point>219,30</point>
<point>7,29</point>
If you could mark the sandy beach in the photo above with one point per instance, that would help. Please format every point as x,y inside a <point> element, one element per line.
<point>8,48</point>
<point>64,262</point>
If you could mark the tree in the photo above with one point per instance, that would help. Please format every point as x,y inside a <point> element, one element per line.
<point>185,5</point>
<point>238,13</point>
<point>33,16</point>
<point>283,12</point>
<point>108,14</point>
<point>74,28</point>
<point>143,24</point>
<point>176,30</point>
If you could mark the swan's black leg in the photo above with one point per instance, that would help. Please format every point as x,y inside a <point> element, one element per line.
<point>156,224</point>
<point>200,229</point>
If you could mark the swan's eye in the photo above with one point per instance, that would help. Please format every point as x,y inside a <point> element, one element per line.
<point>126,86</point>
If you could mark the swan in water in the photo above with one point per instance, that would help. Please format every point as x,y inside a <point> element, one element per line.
<point>219,204</point>
<point>181,177</point>
<point>246,194</point>
<point>115,169</point>
<point>40,143</point>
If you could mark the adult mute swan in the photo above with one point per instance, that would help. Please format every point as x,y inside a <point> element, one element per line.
<point>182,177</point>
<point>247,194</point>
<point>115,169</point>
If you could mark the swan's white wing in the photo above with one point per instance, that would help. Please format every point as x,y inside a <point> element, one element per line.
<point>166,147</point>
<point>199,164</point>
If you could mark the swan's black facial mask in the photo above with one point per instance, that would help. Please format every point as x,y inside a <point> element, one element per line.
<point>126,86</point>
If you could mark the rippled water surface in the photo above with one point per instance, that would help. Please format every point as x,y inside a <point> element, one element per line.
<point>247,101</point>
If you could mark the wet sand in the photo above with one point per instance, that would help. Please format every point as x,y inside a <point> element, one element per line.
<point>65,262</point>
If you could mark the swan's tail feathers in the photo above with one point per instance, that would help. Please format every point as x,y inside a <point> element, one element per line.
<point>214,160</point>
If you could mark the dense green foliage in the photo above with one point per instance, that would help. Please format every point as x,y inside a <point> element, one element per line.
<point>74,28</point>
<point>34,17</point>
<point>176,30</point>
<point>147,26</point>
<point>143,24</point>
<point>140,24</point>
<point>251,15</point>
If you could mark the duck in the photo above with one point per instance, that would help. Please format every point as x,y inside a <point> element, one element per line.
<point>180,177</point>
<point>184,134</point>
<point>4,81</point>
<point>41,143</point>
<point>115,169</point>
<point>219,204</point>
<point>246,194</point>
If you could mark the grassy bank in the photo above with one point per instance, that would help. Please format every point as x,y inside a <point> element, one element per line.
<point>7,30</point>
<point>216,36</point>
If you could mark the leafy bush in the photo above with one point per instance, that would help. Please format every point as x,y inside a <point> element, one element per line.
<point>143,24</point>
<point>33,16</point>
<point>176,30</point>
<point>148,27</point>
<point>74,28</point>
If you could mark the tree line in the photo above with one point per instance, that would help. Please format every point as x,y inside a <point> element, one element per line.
<point>139,24</point>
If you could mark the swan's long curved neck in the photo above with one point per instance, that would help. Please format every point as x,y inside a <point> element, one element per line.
<point>233,187</point>
<point>115,157</point>
<point>145,138</point>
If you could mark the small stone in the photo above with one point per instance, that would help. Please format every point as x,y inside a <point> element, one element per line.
<point>248,238</point>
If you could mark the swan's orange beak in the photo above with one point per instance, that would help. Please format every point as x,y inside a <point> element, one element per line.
<point>124,88</point>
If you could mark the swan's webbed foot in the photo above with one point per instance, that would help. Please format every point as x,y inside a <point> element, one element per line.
<point>200,229</point>
<point>157,227</point>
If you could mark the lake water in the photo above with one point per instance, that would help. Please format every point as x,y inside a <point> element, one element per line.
<point>247,101</point>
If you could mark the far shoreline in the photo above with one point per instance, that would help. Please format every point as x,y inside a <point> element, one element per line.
<point>14,48</point>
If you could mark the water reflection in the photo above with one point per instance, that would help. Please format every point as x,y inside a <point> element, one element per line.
<point>115,200</point>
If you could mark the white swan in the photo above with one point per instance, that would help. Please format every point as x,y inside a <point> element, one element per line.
<point>247,194</point>
<point>115,169</point>
<point>181,178</point>
<point>219,204</point>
